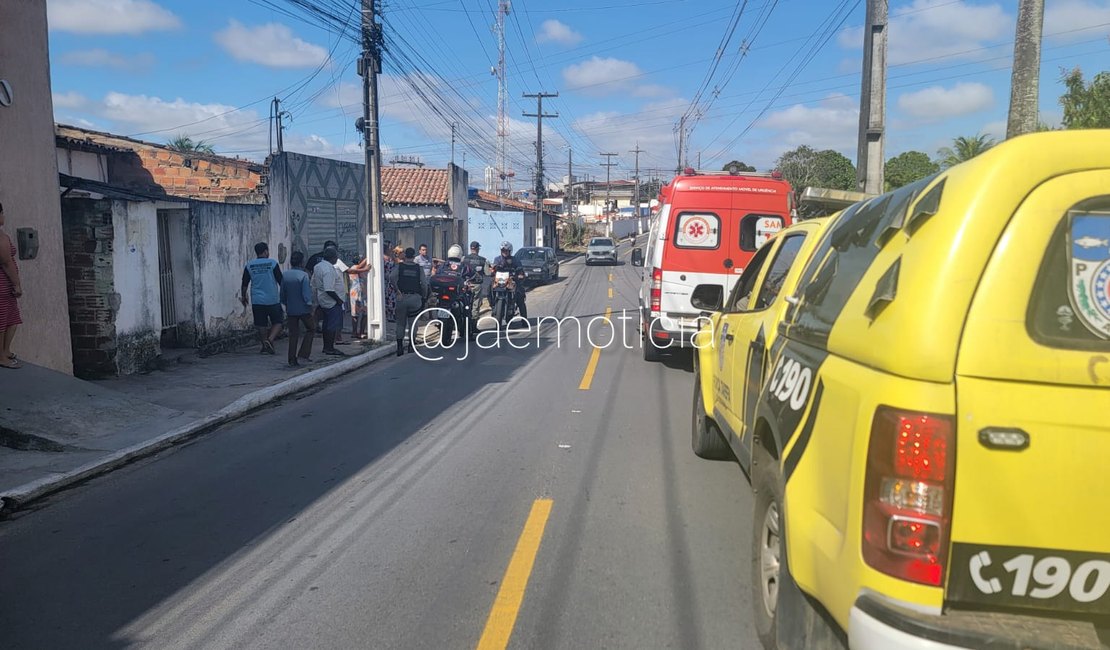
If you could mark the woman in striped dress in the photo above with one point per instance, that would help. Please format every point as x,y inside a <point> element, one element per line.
<point>10,291</point>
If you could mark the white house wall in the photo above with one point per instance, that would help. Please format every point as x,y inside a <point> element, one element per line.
<point>83,164</point>
<point>135,274</point>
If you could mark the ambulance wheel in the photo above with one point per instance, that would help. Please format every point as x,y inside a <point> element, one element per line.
<point>767,544</point>
<point>651,353</point>
<point>706,439</point>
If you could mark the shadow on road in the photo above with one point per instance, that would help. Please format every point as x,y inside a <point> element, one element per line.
<point>78,571</point>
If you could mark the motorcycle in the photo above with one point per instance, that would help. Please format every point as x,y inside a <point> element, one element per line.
<point>503,297</point>
<point>452,298</point>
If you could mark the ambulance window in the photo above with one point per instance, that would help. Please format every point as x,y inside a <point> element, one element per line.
<point>1070,305</point>
<point>756,229</point>
<point>776,275</point>
<point>742,292</point>
<point>697,230</point>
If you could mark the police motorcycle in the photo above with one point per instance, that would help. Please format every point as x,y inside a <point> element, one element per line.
<point>452,297</point>
<point>502,294</point>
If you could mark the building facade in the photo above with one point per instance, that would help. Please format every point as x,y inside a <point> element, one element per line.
<point>29,184</point>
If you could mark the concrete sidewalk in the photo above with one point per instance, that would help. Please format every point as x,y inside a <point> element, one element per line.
<point>56,430</point>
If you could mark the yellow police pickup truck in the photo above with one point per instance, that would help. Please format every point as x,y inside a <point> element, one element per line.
<point>928,437</point>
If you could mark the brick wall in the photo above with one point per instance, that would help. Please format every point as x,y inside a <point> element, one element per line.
<point>149,167</point>
<point>87,233</point>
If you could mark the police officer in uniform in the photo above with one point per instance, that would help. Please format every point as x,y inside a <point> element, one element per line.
<point>412,286</point>
<point>477,264</point>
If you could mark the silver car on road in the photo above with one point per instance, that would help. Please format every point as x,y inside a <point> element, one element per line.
<point>601,250</point>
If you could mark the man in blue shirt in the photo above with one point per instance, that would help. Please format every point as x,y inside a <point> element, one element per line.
<point>263,277</point>
<point>296,295</point>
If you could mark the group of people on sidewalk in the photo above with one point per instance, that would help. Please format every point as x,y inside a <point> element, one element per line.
<point>313,295</point>
<point>317,295</point>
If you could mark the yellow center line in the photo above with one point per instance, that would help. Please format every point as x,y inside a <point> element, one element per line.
<point>610,292</point>
<point>610,277</point>
<point>502,617</point>
<point>591,367</point>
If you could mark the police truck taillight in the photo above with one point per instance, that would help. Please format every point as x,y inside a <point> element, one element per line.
<point>656,289</point>
<point>907,508</point>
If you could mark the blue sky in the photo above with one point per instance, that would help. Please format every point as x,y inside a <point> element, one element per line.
<point>625,72</point>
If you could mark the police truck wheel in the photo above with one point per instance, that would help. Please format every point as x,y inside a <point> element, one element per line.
<point>767,543</point>
<point>706,439</point>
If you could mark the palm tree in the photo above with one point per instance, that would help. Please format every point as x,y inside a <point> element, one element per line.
<point>963,149</point>
<point>186,144</point>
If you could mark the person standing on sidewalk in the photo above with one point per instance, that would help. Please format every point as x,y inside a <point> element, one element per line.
<point>412,285</point>
<point>328,285</point>
<point>11,289</point>
<point>296,295</point>
<point>263,277</point>
<point>424,261</point>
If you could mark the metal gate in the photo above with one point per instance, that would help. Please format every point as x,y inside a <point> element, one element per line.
<point>165,278</point>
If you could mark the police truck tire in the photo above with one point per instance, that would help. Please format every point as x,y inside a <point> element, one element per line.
<point>706,440</point>
<point>767,544</point>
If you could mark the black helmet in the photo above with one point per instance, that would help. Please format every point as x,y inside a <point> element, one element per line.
<point>475,245</point>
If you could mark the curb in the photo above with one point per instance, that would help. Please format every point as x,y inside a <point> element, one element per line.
<point>16,498</point>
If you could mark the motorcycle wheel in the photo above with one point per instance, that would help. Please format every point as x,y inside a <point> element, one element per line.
<point>446,332</point>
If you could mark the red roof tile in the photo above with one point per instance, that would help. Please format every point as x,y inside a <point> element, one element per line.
<point>414,186</point>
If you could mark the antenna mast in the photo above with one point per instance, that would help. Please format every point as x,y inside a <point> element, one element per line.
<point>503,8</point>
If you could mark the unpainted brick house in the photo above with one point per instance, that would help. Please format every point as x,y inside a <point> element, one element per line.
<point>154,246</point>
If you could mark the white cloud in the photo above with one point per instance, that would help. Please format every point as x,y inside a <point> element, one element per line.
<point>553,31</point>
<point>995,129</point>
<point>272,45</point>
<point>99,58</point>
<point>833,123</point>
<point>1076,19</point>
<point>928,29</point>
<point>598,76</point>
<point>109,16</point>
<point>649,127</point>
<point>938,103</point>
<point>69,100</point>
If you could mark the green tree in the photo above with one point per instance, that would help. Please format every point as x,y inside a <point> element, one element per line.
<point>1086,106</point>
<point>805,167</point>
<point>963,148</point>
<point>908,167</point>
<point>742,167</point>
<point>185,144</point>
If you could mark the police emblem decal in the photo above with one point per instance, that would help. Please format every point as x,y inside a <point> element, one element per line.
<point>1089,261</point>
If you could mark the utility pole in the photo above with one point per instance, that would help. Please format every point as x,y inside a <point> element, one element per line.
<point>539,115</point>
<point>1024,80</point>
<point>872,98</point>
<point>608,165</point>
<point>699,160</point>
<point>369,67</point>
<point>453,125</point>
<point>503,8</point>
<point>636,192</point>
<point>570,179</point>
<point>681,145</point>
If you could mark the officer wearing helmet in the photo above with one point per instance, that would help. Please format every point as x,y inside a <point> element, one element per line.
<point>477,263</point>
<point>506,262</point>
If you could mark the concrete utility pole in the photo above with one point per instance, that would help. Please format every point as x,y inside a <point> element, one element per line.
<point>1025,78</point>
<point>872,100</point>
<point>681,145</point>
<point>636,191</point>
<point>539,115</point>
<point>369,67</point>
<point>570,180</point>
<point>503,9</point>
<point>608,164</point>
<point>453,125</point>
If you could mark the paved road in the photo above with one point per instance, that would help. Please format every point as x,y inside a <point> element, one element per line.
<point>345,519</point>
